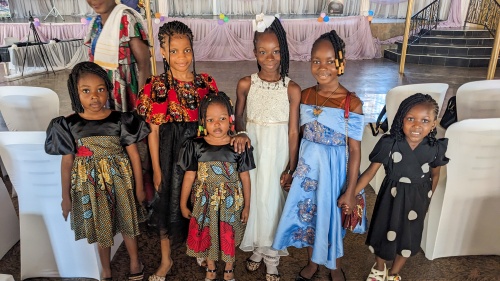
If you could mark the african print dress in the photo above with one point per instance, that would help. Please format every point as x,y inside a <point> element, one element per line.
<point>124,78</point>
<point>404,196</point>
<point>311,217</point>
<point>175,110</point>
<point>215,226</point>
<point>102,183</point>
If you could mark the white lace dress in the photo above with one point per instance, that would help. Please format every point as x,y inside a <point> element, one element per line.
<point>267,109</point>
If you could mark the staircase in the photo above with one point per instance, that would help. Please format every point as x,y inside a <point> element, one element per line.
<point>447,47</point>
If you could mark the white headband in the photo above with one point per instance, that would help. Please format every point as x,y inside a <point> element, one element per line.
<point>261,22</point>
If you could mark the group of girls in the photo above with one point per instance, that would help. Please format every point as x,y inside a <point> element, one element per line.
<point>218,174</point>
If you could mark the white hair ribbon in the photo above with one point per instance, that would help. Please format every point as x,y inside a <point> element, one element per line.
<point>261,22</point>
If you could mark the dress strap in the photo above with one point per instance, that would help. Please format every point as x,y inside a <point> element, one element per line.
<point>307,95</point>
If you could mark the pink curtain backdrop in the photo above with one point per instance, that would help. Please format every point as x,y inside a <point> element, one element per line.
<point>46,31</point>
<point>233,40</point>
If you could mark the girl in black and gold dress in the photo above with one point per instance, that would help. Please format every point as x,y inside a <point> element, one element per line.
<point>101,168</point>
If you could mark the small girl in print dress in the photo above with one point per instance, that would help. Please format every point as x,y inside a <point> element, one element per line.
<point>101,168</point>
<point>412,158</point>
<point>221,192</point>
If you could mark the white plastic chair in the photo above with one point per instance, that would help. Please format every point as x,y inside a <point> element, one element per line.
<point>392,100</point>
<point>48,246</point>
<point>9,232</point>
<point>478,99</point>
<point>6,277</point>
<point>8,41</point>
<point>28,108</point>
<point>463,214</point>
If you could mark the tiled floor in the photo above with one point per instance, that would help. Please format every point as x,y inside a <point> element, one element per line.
<point>370,79</point>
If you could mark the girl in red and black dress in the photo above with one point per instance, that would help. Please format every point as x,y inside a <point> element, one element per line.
<point>170,104</point>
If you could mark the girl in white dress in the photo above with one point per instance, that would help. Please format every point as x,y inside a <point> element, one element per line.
<point>271,101</point>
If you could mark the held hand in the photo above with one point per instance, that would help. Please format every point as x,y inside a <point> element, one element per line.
<point>347,202</point>
<point>157,180</point>
<point>239,142</point>
<point>66,208</point>
<point>140,194</point>
<point>186,212</point>
<point>244,215</point>
<point>286,181</point>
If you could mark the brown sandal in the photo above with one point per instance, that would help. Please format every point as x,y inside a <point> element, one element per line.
<point>252,265</point>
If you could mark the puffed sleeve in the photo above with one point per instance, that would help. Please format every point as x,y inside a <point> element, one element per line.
<point>188,157</point>
<point>132,129</point>
<point>132,26</point>
<point>382,150</point>
<point>210,81</point>
<point>440,159</point>
<point>245,161</point>
<point>152,102</point>
<point>59,140</point>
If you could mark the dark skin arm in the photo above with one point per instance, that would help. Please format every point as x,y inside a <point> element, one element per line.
<point>187,185</point>
<point>241,140</point>
<point>348,198</point>
<point>135,161</point>
<point>435,177</point>
<point>140,50</point>
<point>245,182</point>
<point>294,95</point>
<point>66,165</point>
<point>154,151</point>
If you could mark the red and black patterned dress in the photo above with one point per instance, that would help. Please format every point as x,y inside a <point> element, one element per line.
<point>175,110</point>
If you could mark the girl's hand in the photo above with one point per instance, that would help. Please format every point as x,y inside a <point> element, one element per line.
<point>186,212</point>
<point>286,181</point>
<point>140,194</point>
<point>239,142</point>
<point>347,202</point>
<point>157,180</point>
<point>244,215</point>
<point>66,208</point>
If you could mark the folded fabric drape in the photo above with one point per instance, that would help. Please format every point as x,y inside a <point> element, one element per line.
<point>233,41</point>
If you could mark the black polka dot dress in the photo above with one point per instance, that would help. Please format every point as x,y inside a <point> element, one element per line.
<point>404,196</point>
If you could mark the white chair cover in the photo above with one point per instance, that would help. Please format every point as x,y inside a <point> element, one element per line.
<point>479,99</point>
<point>28,108</point>
<point>392,101</point>
<point>6,277</point>
<point>48,248</point>
<point>9,232</point>
<point>463,214</point>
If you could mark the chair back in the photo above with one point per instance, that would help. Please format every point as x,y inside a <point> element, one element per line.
<point>28,108</point>
<point>463,214</point>
<point>8,41</point>
<point>478,99</point>
<point>48,246</point>
<point>396,95</point>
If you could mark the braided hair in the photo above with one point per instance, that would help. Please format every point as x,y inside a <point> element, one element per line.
<point>165,33</point>
<point>78,71</point>
<point>338,46</point>
<point>396,130</point>
<point>215,98</point>
<point>280,33</point>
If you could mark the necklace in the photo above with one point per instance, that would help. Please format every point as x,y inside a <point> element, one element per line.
<point>319,108</point>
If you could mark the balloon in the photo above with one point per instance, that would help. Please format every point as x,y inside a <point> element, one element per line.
<point>83,20</point>
<point>220,22</point>
<point>322,15</point>
<point>370,13</point>
<point>222,16</point>
<point>157,15</point>
<point>226,19</point>
<point>89,18</point>
<point>326,19</point>
<point>370,18</point>
<point>320,19</point>
<point>157,21</point>
<point>162,18</point>
<point>37,19</point>
<point>36,23</point>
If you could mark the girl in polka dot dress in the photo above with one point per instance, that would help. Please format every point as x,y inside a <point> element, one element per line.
<point>412,157</point>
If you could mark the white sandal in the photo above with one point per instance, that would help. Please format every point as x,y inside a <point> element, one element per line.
<point>377,275</point>
<point>395,277</point>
